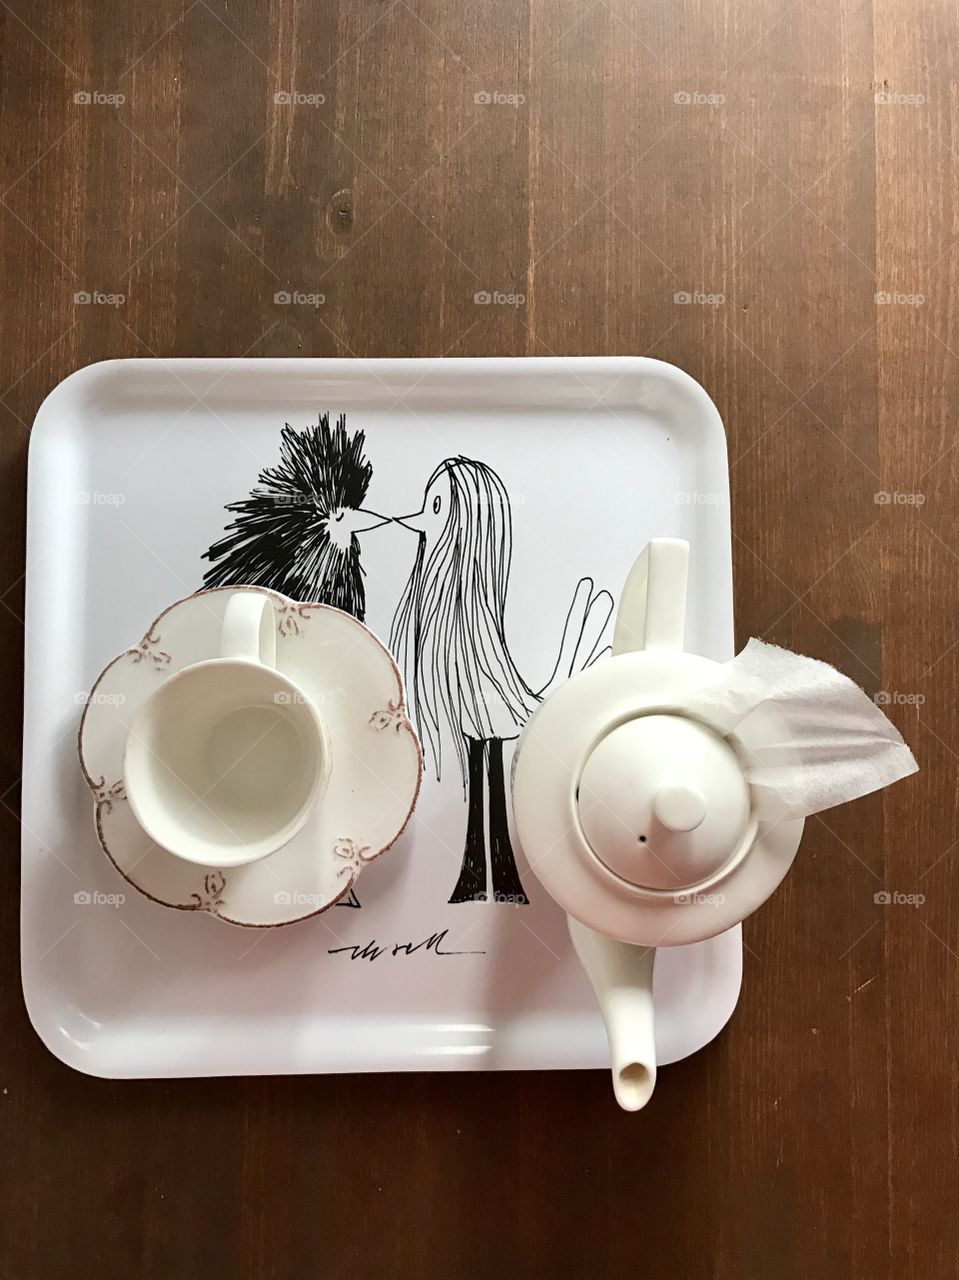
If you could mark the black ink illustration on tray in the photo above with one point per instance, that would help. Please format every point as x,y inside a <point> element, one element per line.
<point>462,683</point>
<point>297,533</point>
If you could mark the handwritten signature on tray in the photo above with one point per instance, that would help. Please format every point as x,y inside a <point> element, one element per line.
<point>372,950</point>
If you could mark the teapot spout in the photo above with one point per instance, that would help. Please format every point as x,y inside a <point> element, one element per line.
<point>622,977</point>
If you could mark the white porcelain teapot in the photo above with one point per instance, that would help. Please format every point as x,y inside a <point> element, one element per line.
<point>642,797</point>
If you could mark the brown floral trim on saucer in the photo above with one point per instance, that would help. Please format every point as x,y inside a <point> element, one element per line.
<point>352,855</point>
<point>291,616</point>
<point>104,795</point>
<point>209,899</point>
<point>147,648</point>
<point>394,714</point>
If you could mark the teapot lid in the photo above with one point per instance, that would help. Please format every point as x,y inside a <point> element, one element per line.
<point>662,802</point>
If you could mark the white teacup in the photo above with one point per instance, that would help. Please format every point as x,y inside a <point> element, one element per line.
<point>228,758</point>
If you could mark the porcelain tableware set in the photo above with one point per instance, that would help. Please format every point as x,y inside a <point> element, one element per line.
<point>249,754</point>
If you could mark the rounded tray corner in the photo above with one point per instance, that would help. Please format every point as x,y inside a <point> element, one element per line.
<point>69,394</point>
<point>52,1035</point>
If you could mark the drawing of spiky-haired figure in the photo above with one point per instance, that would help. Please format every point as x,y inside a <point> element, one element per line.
<point>297,531</point>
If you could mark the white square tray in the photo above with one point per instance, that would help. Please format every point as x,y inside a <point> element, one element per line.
<point>131,465</point>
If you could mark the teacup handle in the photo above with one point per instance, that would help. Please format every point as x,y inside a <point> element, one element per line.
<point>249,628</point>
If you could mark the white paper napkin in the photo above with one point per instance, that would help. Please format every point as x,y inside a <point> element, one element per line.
<point>809,736</point>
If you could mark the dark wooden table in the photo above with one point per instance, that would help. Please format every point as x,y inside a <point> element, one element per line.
<point>791,167</point>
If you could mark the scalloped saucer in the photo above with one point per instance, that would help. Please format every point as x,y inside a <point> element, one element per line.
<point>374,781</point>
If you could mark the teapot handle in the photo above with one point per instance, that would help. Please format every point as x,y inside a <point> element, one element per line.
<point>652,608</point>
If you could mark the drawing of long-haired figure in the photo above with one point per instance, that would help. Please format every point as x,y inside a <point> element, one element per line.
<point>464,689</point>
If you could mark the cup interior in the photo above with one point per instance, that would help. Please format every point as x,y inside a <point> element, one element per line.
<point>225,762</point>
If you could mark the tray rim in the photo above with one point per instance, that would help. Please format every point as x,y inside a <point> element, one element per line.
<point>91,375</point>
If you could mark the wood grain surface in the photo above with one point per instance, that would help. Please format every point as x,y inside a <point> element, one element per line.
<point>789,167</point>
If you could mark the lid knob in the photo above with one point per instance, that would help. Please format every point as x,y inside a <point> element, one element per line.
<point>679,807</point>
